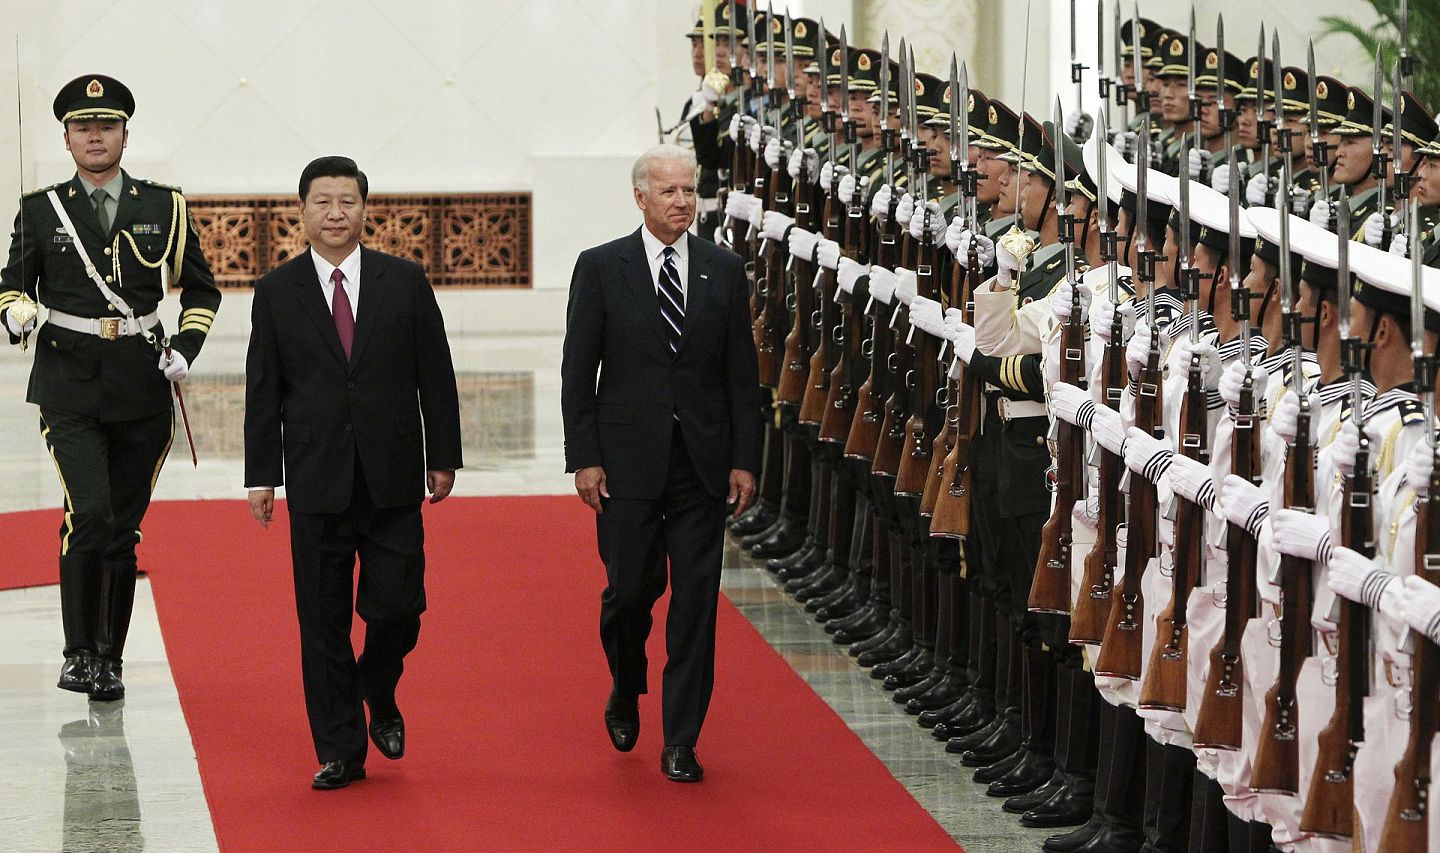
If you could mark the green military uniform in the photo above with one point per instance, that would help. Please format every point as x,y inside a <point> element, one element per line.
<point>105,406</point>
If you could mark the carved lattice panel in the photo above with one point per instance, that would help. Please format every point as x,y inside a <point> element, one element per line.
<point>462,239</point>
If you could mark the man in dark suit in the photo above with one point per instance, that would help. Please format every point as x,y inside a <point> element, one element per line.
<point>660,397</point>
<point>350,402</point>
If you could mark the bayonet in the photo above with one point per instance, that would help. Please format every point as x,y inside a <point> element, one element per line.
<point>1101,80</point>
<point>1121,99</point>
<point>24,308</point>
<point>1066,222</point>
<point>887,134</point>
<point>1189,276</point>
<point>1402,182</point>
<point>849,126</point>
<point>1190,72</point>
<point>1319,148</point>
<point>1282,203</point>
<point>921,151</point>
<point>1262,121</point>
<point>1377,120</point>
<point>1077,75</point>
<point>1239,295</point>
<point>902,104</point>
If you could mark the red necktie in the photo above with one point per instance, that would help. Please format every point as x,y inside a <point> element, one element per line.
<point>340,308</point>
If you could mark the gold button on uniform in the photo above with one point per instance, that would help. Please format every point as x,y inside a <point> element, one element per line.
<point>109,279</point>
<point>1039,439</point>
<point>107,250</point>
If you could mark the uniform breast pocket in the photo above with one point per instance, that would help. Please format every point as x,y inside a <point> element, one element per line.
<point>77,359</point>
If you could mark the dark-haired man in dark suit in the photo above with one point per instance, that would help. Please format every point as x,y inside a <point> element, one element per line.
<point>350,402</point>
<point>659,388</point>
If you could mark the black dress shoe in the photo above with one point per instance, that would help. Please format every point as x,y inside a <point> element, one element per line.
<point>903,695</point>
<point>972,718</point>
<point>999,767</point>
<point>754,519</point>
<point>105,685</point>
<point>338,774</point>
<point>942,694</point>
<point>912,671</point>
<point>678,763</point>
<point>804,559</point>
<point>77,673</point>
<point>622,720</point>
<point>1033,770</point>
<point>1002,742</point>
<point>1022,803</point>
<point>961,744</point>
<point>1073,840</point>
<point>387,732</point>
<point>787,536</point>
<point>1071,805</point>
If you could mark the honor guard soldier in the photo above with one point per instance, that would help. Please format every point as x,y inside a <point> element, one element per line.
<point>99,250</point>
<point>1210,153</point>
<point>707,113</point>
<point>1417,130</point>
<point>1354,158</point>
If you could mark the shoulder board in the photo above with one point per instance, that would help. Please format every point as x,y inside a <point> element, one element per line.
<point>159,185</point>
<point>1411,412</point>
<point>44,190</point>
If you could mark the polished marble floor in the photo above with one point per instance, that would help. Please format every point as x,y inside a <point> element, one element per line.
<point>125,778</point>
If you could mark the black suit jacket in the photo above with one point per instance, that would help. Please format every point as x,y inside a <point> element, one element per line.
<point>622,389</point>
<point>309,412</point>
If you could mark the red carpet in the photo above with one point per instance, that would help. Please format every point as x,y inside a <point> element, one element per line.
<point>506,750</point>
<point>32,548</point>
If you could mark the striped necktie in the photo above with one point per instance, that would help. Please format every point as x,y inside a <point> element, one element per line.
<point>672,299</point>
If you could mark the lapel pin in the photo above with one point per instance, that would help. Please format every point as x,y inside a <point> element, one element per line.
<point>72,193</point>
<point>705,276</point>
<point>134,191</point>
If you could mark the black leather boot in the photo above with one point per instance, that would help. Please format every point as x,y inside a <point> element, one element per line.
<point>1021,803</point>
<point>759,516</point>
<point>1037,765</point>
<point>912,669</point>
<point>1212,826</point>
<point>944,692</point>
<point>850,597</point>
<point>82,586</point>
<point>117,604</point>
<point>864,623</point>
<point>1169,775</point>
<point>1004,741</point>
<point>896,645</point>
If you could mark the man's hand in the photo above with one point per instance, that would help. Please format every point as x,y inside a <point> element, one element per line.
<point>174,366</point>
<point>590,485</point>
<point>262,505</point>
<point>439,482</point>
<point>742,489</point>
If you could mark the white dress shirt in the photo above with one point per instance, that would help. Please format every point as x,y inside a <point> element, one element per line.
<point>350,268</point>
<point>655,254</point>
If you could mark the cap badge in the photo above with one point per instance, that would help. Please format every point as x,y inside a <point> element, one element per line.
<point>1322,91</point>
<point>1255,69</point>
<point>1177,47</point>
<point>863,63</point>
<point>801,31</point>
<point>1289,81</point>
<point>1350,100</point>
<point>1212,59</point>
<point>94,90</point>
<point>993,117</point>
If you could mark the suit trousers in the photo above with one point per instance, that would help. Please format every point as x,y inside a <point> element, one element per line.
<point>389,543</point>
<point>684,527</point>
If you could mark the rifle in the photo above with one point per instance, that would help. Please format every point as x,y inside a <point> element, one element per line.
<point>1407,816</point>
<point>921,426</point>
<point>772,185</point>
<point>1330,806</point>
<point>795,363</point>
<point>1120,649</point>
<point>952,504</point>
<point>1050,586</point>
<point>890,443</point>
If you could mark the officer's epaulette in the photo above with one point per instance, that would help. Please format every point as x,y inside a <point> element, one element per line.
<point>44,190</point>
<point>1411,412</point>
<point>158,185</point>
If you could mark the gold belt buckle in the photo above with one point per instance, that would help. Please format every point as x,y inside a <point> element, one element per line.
<point>110,328</point>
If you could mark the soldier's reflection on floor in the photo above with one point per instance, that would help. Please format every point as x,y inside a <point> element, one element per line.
<point>102,805</point>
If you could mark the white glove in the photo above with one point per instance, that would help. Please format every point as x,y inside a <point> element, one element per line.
<point>1358,578</point>
<point>1062,299</point>
<point>904,209</point>
<point>984,248</point>
<point>16,328</point>
<point>927,316</point>
<point>1109,429</point>
<point>174,365</point>
<point>1105,319</point>
<point>954,318</point>
<point>1191,481</point>
<point>1400,244</point>
<point>1220,178</point>
<point>738,205</point>
<point>880,202</point>
<point>906,285</point>
<point>829,174</point>
<point>937,223</point>
<point>1128,143</point>
<point>773,224</point>
<point>1146,455</point>
<point>802,243</point>
<point>1303,535</point>
<point>1345,446</point>
<point>699,102</point>
<point>1199,162</point>
<point>1209,360</point>
<point>882,284</point>
<point>1419,465</point>
<point>962,339</point>
<point>827,253</point>
<point>1232,382</point>
<point>1006,264</point>
<point>806,157</point>
<point>1375,227</point>
<point>1087,512</point>
<point>1300,201</point>
<point>847,273</point>
<point>1078,125</point>
<point>1320,213</point>
<point>1072,405</point>
<point>1285,420</point>
<point>753,129</point>
<point>1243,504</point>
<point>1137,351</point>
<point>1422,607</point>
<point>774,152</point>
<point>848,188</point>
<point>733,131</point>
<point>1257,189</point>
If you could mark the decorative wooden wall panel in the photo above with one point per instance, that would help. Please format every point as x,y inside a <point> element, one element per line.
<point>462,239</point>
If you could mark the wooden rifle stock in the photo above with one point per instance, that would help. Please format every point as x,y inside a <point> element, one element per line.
<point>870,396</point>
<point>770,324</point>
<point>1220,723</point>
<point>1165,677</point>
<point>1087,622</point>
<point>1120,649</point>
<point>795,367</point>
<point>1330,804</point>
<point>952,504</point>
<point>921,426</point>
<point>1276,767</point>
<point>1050,586</point>
<point>1408,815</point>
<point>839,402</point>
<point>822,360</point>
